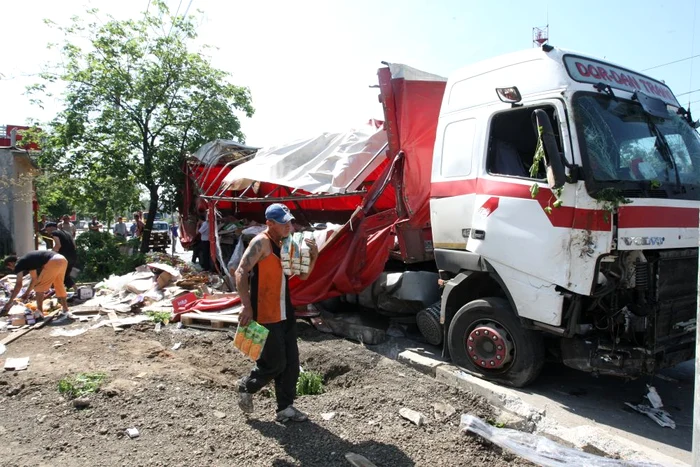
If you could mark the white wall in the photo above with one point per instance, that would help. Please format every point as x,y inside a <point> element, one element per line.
<point>23,224</point>
<point>16,220</point>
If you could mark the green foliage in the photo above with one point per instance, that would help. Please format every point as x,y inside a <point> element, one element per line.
<point>89,194</point>
<point>162,317</point>
<point>309,383</point>
<point>137,100</point>
<point>538,159</point>
<point>496,424</point>
<point>99,256</point>
<point>81,384</point>
<point>534,190</point>
<point>611,199</point>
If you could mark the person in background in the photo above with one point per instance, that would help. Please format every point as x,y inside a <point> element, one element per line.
<point>94,225</point>
<point>53,268</point>
<point>41,223</point>
<point>43,234</point>
<point>139,225</point>
<point>120,229</point>
<point>204,247</point>
<point>196,243</point>
<point>67,226</point>
<point>64,244</point>
<point>264,291</point>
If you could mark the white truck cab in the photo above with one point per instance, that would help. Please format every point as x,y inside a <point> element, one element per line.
<point>565,194</point>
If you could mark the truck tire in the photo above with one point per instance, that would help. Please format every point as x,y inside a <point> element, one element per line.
<point>501,349</point>
<point>428,321</point>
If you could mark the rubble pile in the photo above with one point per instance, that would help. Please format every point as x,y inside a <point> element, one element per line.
<point>164,290</point>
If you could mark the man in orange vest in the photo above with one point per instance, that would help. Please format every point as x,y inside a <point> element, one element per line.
<point>262,286</point>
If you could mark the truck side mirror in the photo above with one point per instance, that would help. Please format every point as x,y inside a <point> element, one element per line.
<point>556,176</point>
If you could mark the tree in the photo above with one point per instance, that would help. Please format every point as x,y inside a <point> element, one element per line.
<point>11,186</point>
<point>90,194</point>
<point>137,100</point>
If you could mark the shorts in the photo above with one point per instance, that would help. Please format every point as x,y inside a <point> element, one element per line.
<point>53,273</point>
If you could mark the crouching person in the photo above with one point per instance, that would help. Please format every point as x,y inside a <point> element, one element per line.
<point>262,286</point>
<point>46,268</point>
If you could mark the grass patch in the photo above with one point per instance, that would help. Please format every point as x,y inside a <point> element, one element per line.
<point>81,384</point>
<point>163,317</point>
<point>309,383</point>
<point>494,423</point>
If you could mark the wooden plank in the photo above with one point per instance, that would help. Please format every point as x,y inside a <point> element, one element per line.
<point>191,322</point>
<point>209,321</point>
<point>47,319</point>
<point>16,335</point>
<point>208,328</point>
<point>211,317</point>
<point>113,317</point>
<point>85,310</point>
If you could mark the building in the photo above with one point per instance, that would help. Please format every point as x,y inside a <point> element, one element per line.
<point>17,206</point>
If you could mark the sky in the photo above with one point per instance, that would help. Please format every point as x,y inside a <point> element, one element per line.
<point>309,64</point>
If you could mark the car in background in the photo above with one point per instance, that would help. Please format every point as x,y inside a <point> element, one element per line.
<point>160,236</point>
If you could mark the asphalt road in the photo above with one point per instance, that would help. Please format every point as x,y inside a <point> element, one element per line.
<point>568,394</point>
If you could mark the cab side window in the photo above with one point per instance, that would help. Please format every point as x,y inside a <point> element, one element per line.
<point>513,141</point>
<point>457,144</point>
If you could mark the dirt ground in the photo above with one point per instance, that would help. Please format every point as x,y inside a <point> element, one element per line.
<point>184,405</point>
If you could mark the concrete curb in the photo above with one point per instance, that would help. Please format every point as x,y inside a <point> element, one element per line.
<point>518,414</point>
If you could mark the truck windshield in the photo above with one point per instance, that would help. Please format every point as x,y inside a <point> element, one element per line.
<point>623,143</point>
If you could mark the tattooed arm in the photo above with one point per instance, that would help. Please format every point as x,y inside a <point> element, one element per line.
<point>258,249</point>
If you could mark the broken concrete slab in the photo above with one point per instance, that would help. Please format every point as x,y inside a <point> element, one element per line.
<point>413,416</point>
<point>443,410</point>
<point>420,362</point>
<point>496,395</point>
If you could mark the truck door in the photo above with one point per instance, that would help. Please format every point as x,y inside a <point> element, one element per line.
<point>517,224</point>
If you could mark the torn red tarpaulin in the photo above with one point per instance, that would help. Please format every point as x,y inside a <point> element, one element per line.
<point>399,210</point>
<point>207,305</point>
<point>350,261</point>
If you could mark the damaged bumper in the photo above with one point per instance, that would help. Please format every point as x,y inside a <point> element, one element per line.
<point>626,361</point>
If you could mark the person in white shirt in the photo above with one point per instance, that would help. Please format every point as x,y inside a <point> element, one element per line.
<point>204,253</point>
<point>67,226</point>
<point>120,228</point>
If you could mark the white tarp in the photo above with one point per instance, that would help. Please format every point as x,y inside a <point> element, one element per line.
<point>329,163</point>
<point>400,71</point>
<point>210,153</point>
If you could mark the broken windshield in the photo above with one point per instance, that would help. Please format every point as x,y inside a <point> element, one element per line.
<point>623,143</point>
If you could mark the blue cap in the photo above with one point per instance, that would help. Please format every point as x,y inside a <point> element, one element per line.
<point>278,213</point>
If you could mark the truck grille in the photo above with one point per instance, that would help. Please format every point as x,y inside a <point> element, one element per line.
<point>676,292</point>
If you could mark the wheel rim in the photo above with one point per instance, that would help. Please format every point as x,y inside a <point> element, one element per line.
<point>489,345</point>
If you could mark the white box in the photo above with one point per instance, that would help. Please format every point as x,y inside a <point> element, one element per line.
<point>85,293</point>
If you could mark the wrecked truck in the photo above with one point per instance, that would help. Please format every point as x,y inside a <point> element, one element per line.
<point>556,197</point>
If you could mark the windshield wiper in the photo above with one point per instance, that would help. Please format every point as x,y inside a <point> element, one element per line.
<point>664,149</point>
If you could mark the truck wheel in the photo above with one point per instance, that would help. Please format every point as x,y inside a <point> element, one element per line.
<point>487,339</point>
